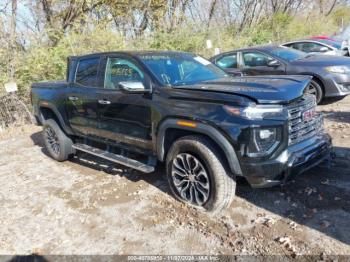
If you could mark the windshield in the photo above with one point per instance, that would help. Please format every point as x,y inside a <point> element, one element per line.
<point>288,54</point>
<point>181,68</point>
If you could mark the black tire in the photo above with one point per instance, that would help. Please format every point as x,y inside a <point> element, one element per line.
<point>221,186</point>
<point>315,88</point>
<point>57,143</point>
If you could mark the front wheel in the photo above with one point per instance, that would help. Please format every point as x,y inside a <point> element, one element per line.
<point>197,176</point>
<point>315,89</point>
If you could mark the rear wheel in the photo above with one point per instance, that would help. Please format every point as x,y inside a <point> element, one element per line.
<point>197,176</point>
<point>57,143</point>
<point>315,89</point>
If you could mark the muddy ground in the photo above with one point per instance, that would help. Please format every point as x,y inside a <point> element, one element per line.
<point>88,206</point>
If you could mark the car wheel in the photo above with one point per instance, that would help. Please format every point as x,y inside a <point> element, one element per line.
<point>315,89</point>
<point>197,175</point>
<point>57,143</point>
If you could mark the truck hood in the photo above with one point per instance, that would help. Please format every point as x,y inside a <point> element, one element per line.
<point>262,89</point>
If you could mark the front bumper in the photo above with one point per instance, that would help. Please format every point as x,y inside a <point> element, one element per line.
<point>294,160</point>
<point>337,85</point>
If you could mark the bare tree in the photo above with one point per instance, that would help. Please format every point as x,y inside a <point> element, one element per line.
<point>12,38</point>
<point>59,17</point>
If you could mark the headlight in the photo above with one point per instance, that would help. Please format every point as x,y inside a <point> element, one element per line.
<point>263,141</point>
<point>258,112</point>
<point>338,69</point>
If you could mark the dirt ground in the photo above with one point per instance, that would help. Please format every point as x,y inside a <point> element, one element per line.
<point>88,206</point>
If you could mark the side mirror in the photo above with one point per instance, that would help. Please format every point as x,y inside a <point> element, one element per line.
<point>133,87</point>
<point>273,63</point>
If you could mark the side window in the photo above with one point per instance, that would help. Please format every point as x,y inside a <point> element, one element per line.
<point>253,59</point>
<point>309,47</point>
<point>297,46</point>
<point>121,70</point>
<point>229,61</point>
<point>87,70</point>
<point>289,45</point>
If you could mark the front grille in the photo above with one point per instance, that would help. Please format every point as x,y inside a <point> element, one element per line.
<point>303,121</point>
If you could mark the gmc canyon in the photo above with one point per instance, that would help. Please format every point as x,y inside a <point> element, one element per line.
<point>138,108</point>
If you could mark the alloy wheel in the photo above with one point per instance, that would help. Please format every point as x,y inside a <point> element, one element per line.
<point>52,140</point>
<point>190,179</point>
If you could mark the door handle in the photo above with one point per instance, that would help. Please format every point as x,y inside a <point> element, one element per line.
<point>73,98</point>
<point>104,102</point>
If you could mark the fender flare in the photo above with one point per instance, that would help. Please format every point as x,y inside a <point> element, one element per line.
<point>204,129</point>
<point>53,108</point>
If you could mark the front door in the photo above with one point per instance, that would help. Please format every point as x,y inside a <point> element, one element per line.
<point>257,63</point>
<point>229,63</point>
<point>81,102</point>
<point>124,117</point>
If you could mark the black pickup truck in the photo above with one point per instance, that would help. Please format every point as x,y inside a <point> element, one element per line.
<point>138,108</point>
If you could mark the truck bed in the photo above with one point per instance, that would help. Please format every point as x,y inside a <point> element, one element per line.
<point>51,84</point>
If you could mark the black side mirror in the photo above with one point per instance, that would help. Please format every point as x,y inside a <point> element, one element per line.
<point>273,63</point>
<point>133,87</point>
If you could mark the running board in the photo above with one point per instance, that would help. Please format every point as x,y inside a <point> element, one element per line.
<point>115,158</point>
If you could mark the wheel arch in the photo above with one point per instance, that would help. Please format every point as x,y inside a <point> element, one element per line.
<point>169,131</point>
<point>318,79</point>
<point>48,111</point>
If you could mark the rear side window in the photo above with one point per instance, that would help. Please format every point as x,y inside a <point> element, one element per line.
<point>87,71</point>
<point>297,46</point>
<point>229,61</point>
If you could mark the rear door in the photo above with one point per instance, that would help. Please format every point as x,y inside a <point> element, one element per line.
<point>81,102</point>
<point>258,63</point>
<point>125,118</point>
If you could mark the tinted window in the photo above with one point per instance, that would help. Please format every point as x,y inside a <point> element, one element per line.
<point>253,59</point>
<point>121,70</point>
<point>229,61</point>
<point>181,68</point>
<point>87,72</point>
<point>309,47</point>
<point>297,46</point>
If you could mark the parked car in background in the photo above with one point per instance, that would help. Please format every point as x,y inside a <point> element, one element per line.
<point>137,108</point>
<point>330,74</point>
<point>322,46</point>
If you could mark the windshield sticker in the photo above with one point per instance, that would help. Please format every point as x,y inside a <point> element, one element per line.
<point>202,60</point>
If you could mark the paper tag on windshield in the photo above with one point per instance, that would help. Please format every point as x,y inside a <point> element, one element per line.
<point>202,60</point>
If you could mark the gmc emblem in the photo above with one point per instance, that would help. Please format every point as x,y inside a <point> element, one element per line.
<point>309,114</point>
